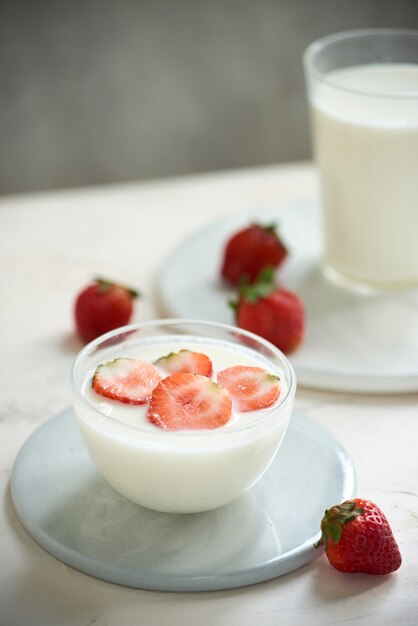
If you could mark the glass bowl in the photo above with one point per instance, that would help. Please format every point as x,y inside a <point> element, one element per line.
<point>186,471</point>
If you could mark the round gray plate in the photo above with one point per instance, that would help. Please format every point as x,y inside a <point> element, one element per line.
<point>67,507</point>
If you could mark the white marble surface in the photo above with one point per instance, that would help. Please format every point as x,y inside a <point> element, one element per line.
<point>50,245</point>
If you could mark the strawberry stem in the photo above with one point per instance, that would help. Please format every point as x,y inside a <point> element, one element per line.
<point>234,306</point>
<point>263,286</point>
<point>335,519</point>
<point>105,285</point>
<point>270,228</point>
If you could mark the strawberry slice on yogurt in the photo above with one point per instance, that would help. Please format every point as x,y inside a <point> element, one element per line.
<point>189,401</point>
<point>127,380</point>
<point>186,361</point>
<point>251,388</point>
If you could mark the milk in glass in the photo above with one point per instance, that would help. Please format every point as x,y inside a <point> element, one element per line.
<point>365,123</point>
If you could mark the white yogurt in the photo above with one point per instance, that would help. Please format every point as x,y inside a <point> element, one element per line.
<point>366,145</point>
<point>181,471</point>
<point>221,359</point>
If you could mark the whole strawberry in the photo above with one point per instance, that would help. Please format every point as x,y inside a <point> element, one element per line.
<point>250,250</point>
<point>102,306</point>
<point>357,538</point>
<point>272,312</point>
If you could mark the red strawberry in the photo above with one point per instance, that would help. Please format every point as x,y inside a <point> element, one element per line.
<point>127,380</point>
<point>189,401</point>
<point>251,388</point>
<point>357,538</point>
<point>101,307</point>
<point>250,250</point>
<point>271,312</point>
<point>186,361</point>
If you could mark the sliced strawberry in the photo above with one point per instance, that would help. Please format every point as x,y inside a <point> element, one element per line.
<point>186,361</point>
<point>189,401</point>
<point>251,388</point>
<point>127,380</point>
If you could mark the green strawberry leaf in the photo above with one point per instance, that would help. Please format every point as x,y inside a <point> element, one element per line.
<point>334,531</point>
<point>262,288</point>
<point>106,285</point>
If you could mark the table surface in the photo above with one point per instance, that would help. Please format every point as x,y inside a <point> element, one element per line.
<point>51,245</point>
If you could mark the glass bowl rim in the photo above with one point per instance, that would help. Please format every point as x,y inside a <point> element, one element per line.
<point>198,433</point>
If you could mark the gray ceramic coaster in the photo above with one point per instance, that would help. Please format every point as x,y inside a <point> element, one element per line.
<point>67,507</point>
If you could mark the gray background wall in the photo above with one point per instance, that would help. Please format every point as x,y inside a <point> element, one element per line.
<point>100,91</point>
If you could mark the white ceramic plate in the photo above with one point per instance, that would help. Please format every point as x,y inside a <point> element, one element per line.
<point>67,507</point>
<point>354,342</point>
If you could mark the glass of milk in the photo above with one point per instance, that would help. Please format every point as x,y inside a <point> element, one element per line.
<point>181,471</point>
<point>363,94</point>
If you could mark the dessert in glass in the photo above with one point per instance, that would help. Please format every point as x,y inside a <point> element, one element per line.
<point>159,459</point>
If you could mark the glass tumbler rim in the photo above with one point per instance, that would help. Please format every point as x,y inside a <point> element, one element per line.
<point>317,46</point>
